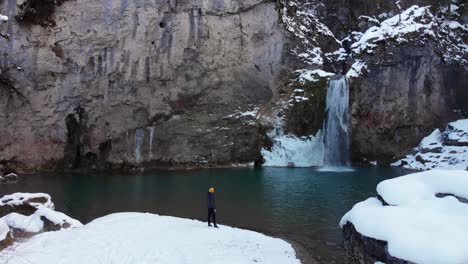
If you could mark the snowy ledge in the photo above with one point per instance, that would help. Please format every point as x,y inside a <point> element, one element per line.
<point>33,199</point>
<point>149,238</point>
<point>422,218</point>
<point>446,149</point>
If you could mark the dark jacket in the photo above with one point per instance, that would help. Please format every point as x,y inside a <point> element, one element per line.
<point>211,201</point>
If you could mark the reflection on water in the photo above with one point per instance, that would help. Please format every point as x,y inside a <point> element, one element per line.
<point>302,204</point>
<point>335,169</point>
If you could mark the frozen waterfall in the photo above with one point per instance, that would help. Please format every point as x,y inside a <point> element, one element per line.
<point>329,147</point>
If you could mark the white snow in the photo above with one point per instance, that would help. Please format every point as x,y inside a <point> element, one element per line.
<point>437,150</point>
<point>34,223</point>
<point>418,226</point>
<point>311,75</point>
<point>414,19</point>
<point>249,113</point>
<point>292,151</point>
<point>11,175</point>
<point>4,229</point>
<point>20,198</point>
<point>148,238</point>
<point>3,18</point>
<point>459,131</point>
<point>306,28</point>
<point>357,69</point>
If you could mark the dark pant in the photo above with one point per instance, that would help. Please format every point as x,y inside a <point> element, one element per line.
<point>211,215</point>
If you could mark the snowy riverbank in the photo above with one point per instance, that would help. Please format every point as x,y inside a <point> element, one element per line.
<point>442,149</point>
<point>150,238</point>
<point>421,218</point>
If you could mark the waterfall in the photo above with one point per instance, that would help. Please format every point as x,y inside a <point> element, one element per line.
<point>329,147</point>
<point>151,130</point>
<point>139,136</point>
<point>336,127</point>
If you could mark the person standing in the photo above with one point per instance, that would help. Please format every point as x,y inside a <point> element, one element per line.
<point>211,207</point>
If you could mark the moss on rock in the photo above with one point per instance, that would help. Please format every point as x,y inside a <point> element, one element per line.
<point>306,117</point>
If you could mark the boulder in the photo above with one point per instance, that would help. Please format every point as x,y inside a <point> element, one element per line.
<point>24,203</point>
<point>360,249</point>
<point>416,218</point>
<point>26,214</point>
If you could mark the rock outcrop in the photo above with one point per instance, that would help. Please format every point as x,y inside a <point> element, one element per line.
<point>416,218</point>
<point>404,97</point>
<point>146,82</point>
<point>445,148</point>
<point>360,249</point>
<point>24,203</point>
<point>26,214</point>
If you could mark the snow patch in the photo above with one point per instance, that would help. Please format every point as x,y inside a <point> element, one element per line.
<point>419,225</point>
<point>16,199</point>
<point>311,75</point>
<point>446,149</point>
<point>357,69</point>
<point>34,224</point>
<point>148,238</point>
<point>4,230</point>
<point>414,19</point>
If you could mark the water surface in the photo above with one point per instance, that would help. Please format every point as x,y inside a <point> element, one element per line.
<point>304,205</point>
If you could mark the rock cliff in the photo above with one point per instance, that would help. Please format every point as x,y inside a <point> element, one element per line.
<point>119,84</point>
<point>128,82</point>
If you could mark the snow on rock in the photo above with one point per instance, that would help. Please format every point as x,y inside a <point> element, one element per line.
<point>300,19</point>
<point>424,222</point>
<point>6,237</point>
<point>238,113</point>
<point>414,19</point>
<point>3,18</point>
<point>416,25</point>
<point>313,75</point>
<point>4,230</point>
<point>247,117</point>
<point>148,238</point>
<point>446,149</point>
<point>33,199</point>
<point>33,212</point>
<point>357,69</point>
<point>35,223</point>
<point>458,131</point>
<point>8,178</point>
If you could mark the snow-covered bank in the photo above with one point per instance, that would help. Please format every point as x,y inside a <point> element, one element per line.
<point>447,149</point>
<point>425,220</point>
<point>31,213</point>
<point>148,238</point>
<point>33,199</point>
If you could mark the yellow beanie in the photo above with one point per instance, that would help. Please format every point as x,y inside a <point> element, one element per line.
<point>211,190</point>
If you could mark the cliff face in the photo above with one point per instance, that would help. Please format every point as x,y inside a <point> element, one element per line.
<point>137,81</point>
<point>402,100</point>
<point>118,83</point>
